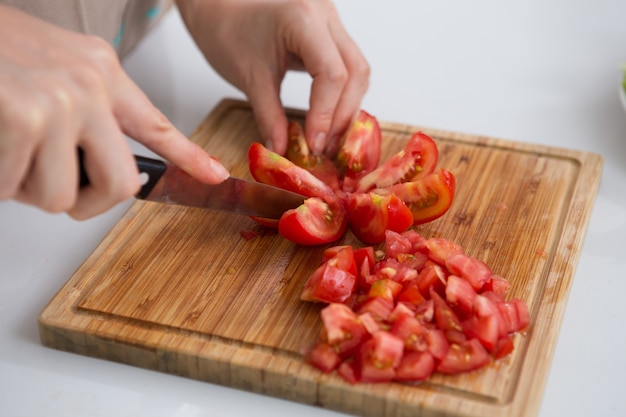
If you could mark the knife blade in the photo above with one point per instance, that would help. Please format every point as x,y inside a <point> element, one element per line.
<point>168,184</point>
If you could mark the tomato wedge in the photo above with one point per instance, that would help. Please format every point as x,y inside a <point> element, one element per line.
<point>417,159</point>
<point>271,168</point>
<point>370,215</point>
<point>314,223</point>
<point>319,165</point>
<point>360,146</point>
<point>428,198</point>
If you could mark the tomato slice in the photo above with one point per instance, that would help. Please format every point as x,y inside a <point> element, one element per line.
<point>417,160</point>
<point>475,271</point>
<point>359,153</point>
<point>319,165</point>
<point>371,215</point>
<point>271,168</point>
<point>314,223</point>
<point>428,198</point>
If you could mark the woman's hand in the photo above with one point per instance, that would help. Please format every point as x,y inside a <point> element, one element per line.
<point>252,44</point>
<point>59,91</point>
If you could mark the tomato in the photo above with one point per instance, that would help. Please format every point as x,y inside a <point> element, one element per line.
<point>313,223</point>
<point>378,357</point>
<point>415,366</point>
<point>319,165</point>
<point>270,168</point>
<point>428,198</point>
<point>464,357</point>
<point>386,289</point>
<point>328,284</point>
<point>341,257</point>
<point>324,357</point>
<point>360,146</point>
<point>343,329</point>
<point>460,292</point>
<point>417,159</point>
<point>370,215</point>
<point>475,271</point>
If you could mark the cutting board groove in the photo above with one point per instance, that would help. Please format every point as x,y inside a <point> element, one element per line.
<point>180,291</point>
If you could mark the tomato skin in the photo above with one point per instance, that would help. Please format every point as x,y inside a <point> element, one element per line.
<point>428,198</point>
<point>359,153</point>
<point>417,160</point>
<point>314,223</point>
<point>371,215</point>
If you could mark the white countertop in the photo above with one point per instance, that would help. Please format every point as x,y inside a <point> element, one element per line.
<point>534,71</point>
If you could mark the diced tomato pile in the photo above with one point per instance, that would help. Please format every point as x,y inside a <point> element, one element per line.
<point>424,306</point>
<point>351,189</point>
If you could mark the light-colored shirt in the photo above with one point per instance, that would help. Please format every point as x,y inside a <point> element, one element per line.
<point>120,22</point>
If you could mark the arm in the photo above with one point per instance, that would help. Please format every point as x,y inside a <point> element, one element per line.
<point>253,43</point>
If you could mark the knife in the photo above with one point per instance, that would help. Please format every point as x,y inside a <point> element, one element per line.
<point>166,183</point>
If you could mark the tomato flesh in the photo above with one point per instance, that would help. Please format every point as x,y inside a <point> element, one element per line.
<point>417,159</point>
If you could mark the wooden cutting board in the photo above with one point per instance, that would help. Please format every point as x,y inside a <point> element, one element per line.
<point>179,290</point>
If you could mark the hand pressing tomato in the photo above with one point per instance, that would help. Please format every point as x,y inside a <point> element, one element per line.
<point>351,188</point>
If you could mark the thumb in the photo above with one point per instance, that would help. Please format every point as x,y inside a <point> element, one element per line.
<point>139,119</point>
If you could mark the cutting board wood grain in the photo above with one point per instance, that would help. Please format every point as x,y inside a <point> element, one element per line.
<point>179,290</point>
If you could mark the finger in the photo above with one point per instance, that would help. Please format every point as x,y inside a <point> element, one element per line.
<point>143,122</point>
<point>355,88</point>
<point>323,61</point>
<point>264,96</point>
<point>52,180</point>
<point>109,164</point>
<point>14,159</point>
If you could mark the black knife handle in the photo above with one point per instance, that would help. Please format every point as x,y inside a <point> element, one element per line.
<point>153,168</point>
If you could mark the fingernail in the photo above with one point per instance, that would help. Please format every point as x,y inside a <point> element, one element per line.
<point>319,143</point>
<point>218,169</point>
<point>269,144</point>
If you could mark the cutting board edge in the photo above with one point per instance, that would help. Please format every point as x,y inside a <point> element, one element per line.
<point>247,372</point>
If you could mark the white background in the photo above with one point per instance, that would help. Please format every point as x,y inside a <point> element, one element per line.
<point>533,71</point>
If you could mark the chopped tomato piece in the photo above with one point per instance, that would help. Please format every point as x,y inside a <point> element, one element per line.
<point>415,366</point>
<point>475,271</point>
<point>329,284</point>
<point>460,292</point>
<point>324,357</point>
<point>464,357</point>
